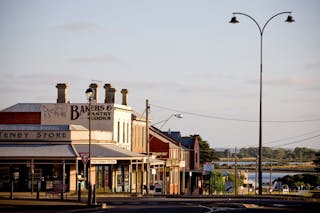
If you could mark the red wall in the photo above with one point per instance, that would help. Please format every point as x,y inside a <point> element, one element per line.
<point>20,118</point>
<point>157,145</point>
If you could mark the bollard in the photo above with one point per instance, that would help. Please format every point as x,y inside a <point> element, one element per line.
<point>38,193</point>
<point>11,191</point>
<point>62,191</point>
<point>90,195</point>
<point>79,192</point>
<point>94,194</point>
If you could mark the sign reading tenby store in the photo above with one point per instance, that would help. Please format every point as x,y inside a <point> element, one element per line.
<point>34,135</point>
<point>78,114</point>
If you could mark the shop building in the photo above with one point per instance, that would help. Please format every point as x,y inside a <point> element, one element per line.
<point>43,144</point>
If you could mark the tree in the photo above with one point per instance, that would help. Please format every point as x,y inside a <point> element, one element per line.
<point>296,181</point>
<point>207,154</point>
<point>317,161</point>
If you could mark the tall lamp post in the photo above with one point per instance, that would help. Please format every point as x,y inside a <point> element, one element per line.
<point>89,94</point>
<point>261,30</point>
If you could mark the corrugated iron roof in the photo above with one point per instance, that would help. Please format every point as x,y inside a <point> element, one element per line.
<point>39,127</point>
<point>32,150</point>
<point>107,150</point>
<point>24,107</point>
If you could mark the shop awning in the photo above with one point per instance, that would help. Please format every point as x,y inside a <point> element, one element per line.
<point>108,151</point>
<point>36,151</point>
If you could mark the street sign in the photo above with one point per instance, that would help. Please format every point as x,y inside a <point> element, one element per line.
<point>84,157</point>
<point>208,167</point>
<point>228,186</point>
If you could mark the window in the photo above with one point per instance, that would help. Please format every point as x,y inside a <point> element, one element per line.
<point>124,133</point>
<point>118,139</point>
<point>128,132</point>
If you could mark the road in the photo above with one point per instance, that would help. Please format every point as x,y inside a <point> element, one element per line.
<point>203,205</point>
<point>185,205</point>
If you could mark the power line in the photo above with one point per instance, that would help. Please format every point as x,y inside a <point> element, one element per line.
<point>298,141</point>
<point>288,138</point>
<point>235,119</point>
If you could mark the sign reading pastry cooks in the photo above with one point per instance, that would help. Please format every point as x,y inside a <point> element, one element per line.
<point>78,114</point>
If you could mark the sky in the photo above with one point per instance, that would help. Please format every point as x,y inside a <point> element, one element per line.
<point>182,55</point>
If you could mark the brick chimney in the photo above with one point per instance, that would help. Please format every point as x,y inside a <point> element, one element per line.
<point>62,92</point>
<point>124,96</point>
<point>95,90</point>
<point>109,94</point>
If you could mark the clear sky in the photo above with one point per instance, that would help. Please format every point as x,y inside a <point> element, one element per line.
<point>182,55</point>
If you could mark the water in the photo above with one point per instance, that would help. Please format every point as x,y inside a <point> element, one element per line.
<point>266,176</point>
<point>253,176</point>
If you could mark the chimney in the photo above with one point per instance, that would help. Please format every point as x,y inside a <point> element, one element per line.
<point>61,92</point>
<point>109,94</point>
<point>124,96</point>
<point>95,92</point>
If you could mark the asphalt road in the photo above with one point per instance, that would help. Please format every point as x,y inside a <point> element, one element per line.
<point>175,205</point>
<point>210,205</point>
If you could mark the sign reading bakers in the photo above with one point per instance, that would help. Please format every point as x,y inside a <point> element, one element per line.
<point>78,114</point>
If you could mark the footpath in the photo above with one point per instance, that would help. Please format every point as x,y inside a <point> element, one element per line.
<point>27,200</point>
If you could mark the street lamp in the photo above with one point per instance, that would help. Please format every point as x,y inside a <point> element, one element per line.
<point>261,30</point>
<point>89,94</point>
<point>148,140</point>
<point>166,120</point>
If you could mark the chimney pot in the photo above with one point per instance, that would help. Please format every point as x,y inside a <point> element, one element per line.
<point>109,94</point>
<point>124,96</point>
<point>61,92</point>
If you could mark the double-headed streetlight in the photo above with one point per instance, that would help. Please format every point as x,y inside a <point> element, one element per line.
<point>261,30</point>
<point>89,94</point>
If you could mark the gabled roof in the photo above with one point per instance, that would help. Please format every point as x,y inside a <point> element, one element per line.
<point>185,141</point>
<point>39,127</point>
<point>162,134</point>
<point>24,107</point>
<point>107,151</point>
<point>36,150</point>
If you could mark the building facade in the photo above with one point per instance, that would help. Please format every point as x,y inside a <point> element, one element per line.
<point>44,144</point>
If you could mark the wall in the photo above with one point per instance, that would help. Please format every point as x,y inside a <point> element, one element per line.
<point>20,117</point>
<point>77,114</point>
<point>122,126</point>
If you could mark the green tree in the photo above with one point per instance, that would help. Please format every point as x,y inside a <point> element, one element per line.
<point>207,154</point>
<point>295,181</point>
<point>317,161</point>
<point>216,184</point>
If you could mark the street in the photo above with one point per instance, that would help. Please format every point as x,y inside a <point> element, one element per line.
<point>168,205</point>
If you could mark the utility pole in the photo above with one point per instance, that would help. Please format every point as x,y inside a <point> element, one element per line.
<point>270,190</point>
<point>148,145</point>
<point>235,172</point>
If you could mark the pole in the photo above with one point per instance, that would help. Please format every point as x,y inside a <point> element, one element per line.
<point>255,178</point>
<point>261,30</point>
<point>235,172</point>
<point>89,162</point>
<point>260,122</point>
<point>148,145</point>
<point>270,176</point>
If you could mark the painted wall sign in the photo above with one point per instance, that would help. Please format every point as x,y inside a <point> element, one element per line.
<point>78,114</point>
<point>34,135</point>
<point>103,161</point>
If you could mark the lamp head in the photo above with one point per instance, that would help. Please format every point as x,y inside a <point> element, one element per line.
<point>234,20</point>
<point>178,115</point>
<point>290,19</point>
<point>89,93</point>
